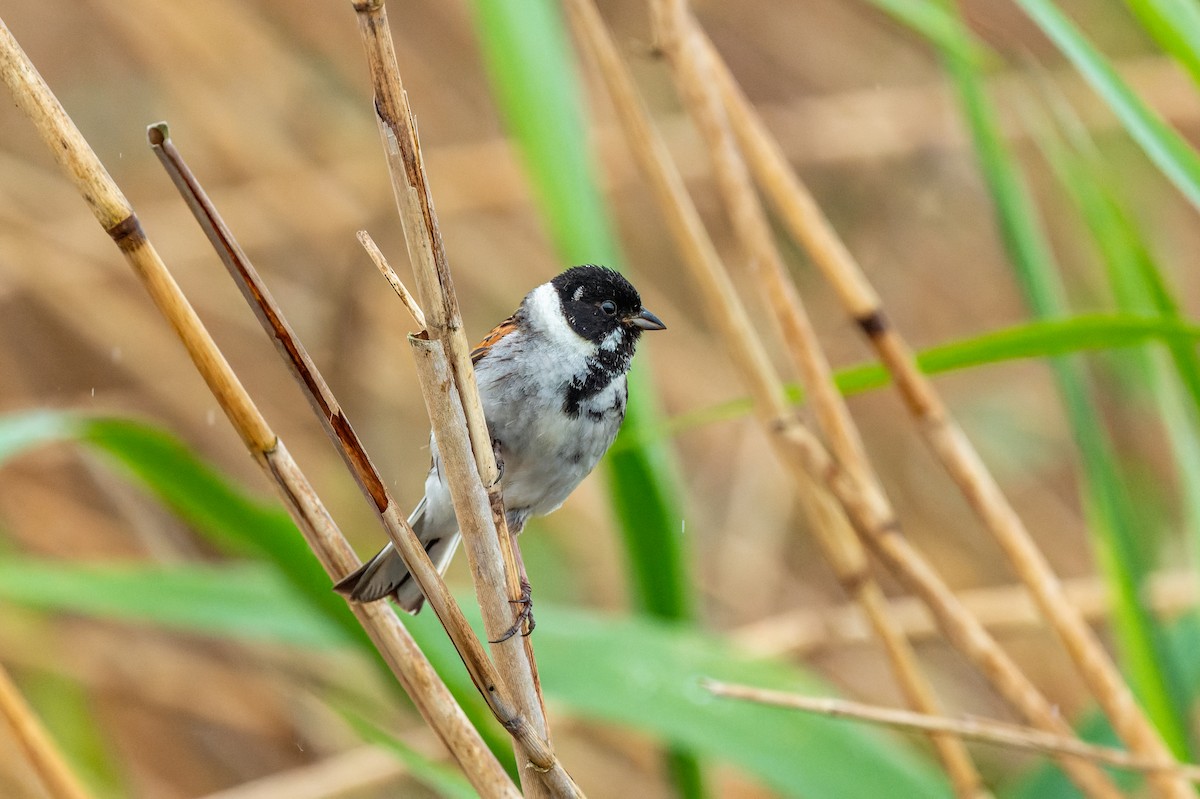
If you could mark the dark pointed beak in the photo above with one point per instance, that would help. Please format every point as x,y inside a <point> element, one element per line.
<point>647,321</point>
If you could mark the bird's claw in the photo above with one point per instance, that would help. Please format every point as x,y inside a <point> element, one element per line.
<point>524,621</point>
<point>499,459</point>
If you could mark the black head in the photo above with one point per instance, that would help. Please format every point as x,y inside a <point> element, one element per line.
<point>597,301</point>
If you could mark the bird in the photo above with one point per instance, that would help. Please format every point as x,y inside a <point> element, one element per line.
<point>552,381</point>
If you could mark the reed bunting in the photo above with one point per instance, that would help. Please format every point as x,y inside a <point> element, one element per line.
<point>552,381</point>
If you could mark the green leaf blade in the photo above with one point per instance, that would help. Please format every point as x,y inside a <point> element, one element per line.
<point>234,522</point>
<point>1175,26</point>
<point>1161,143</point>
<point>1112,518</point>
<point>637,672</point>
<point>246,601</point>
<point>644,674</point>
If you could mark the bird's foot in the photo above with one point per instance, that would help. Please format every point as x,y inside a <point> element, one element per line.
<point>524,622</point>
<point>499,459</point>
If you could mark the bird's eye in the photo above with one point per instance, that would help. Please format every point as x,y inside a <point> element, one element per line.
<point>608,307</point>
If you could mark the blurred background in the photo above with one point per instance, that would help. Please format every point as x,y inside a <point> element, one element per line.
<point>270,103</point>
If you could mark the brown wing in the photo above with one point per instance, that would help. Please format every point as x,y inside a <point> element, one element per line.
<point>498,332</point>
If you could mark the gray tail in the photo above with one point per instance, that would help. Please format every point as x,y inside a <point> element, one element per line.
<point>386,575</point>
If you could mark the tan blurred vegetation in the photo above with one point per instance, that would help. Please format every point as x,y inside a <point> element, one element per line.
<point>269,100</point>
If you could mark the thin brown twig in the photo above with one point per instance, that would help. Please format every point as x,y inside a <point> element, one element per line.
<point>797,447</point>
<point>808,225</point>
<point>1012,736</point>
<point>114,213</point>
<point>337,426</point>
<point>35,744</point>
<point>475,491</point>
<point>678,37</point>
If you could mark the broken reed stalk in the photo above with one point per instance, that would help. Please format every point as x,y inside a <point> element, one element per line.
<point>799,450</point>
<point>809,226</point>
<point>389,274</point>
<point>337,426</point>
<point>114,213</point>
<point>1011,736</point>
<point>676,35</point>
<point>36,745</point>
<point>474,485</point>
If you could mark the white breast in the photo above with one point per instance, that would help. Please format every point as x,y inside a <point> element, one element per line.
<point>523,382</point>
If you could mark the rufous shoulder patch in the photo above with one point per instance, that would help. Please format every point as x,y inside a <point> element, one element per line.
<point>501,330</point>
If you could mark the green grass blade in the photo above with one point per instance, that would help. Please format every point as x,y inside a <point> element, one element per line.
<point>1177,20</point>
<point>646,674</point>
<point>1139,287</point>
<point>1175,26</point>
<point>1184,355</point>
<point>1048,338</point>
<point>1107,504</point>
<point>940,27</point>
<point>643,500</point>
<point>1043,339</point>
<point>216,508</point>
<point>232,520</point>
<point>247,601</point>
<point>636,673</point>
<point>66,708</point>
<point>24,431</point>
<point>534,82</point>
<point>1165,147</point>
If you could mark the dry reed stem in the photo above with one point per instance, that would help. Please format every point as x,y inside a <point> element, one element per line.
<point>809,226</point>
<point>677,33</point>
<point>984,730</point>
<point>797,447</point>
<point>35,744</point>
<point>116,216</point>
<point>475,491</point>
<point>337,426</point>
<point>998,608</point>
<point>415,204</point>
<point>449,428</point>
